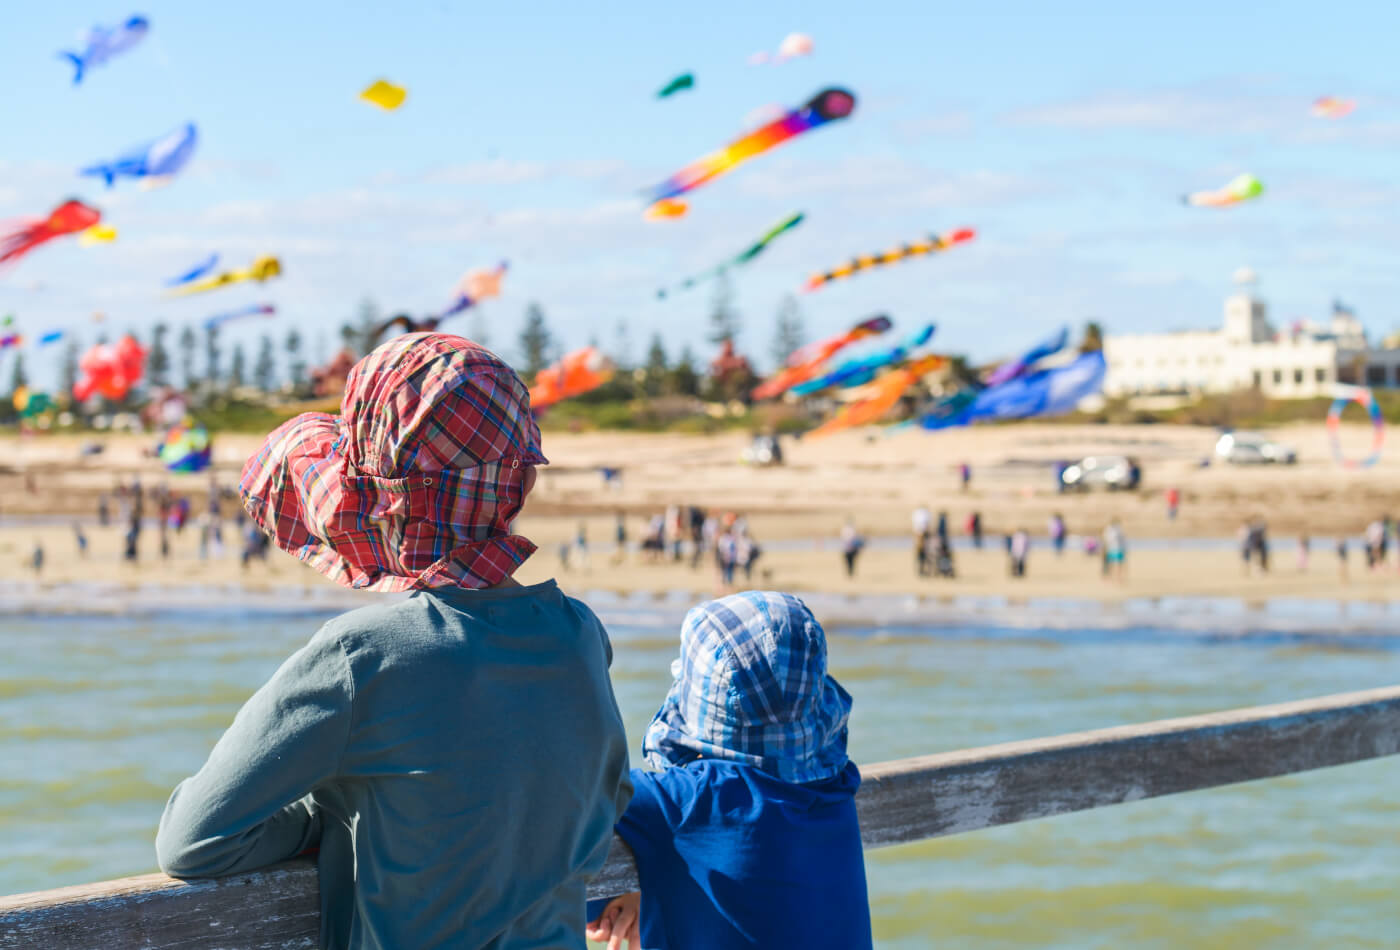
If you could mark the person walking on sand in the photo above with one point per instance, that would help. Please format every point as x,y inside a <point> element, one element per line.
<point>1019,547</point>
<point>1057,533</point>
<point>1115,551</point>
<point>581,545</point>
<point>965,475</point>
<point>1173,502</point>
<point>36,560</point>
<point>727,558</point>
<point>454,758</point>
<point>921,523</point>
<point>974,528</point>
<point>1244,538</point>
<point>851,544</point>
<point>1304,543</point>
<point>1342,558</point>
<point>620,538</point>
<point>81,538</point>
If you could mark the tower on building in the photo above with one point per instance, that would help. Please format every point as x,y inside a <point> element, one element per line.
<point>1246,316</point>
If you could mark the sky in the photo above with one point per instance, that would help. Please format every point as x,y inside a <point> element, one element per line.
<point>1065,137</point>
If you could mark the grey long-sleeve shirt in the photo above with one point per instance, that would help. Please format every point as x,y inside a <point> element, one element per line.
<point>458,757</point>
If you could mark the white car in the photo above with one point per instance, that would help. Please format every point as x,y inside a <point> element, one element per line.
<point>1251,448</point>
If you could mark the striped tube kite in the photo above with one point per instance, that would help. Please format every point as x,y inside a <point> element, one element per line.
<point>262,269</point>
<point>881,396</point>
<point>826,106</point>
<point>858,372</point>
<point>1330,107</point>
<point>18,238</point>
<point>744,256</point>
<point>806,361</point>
<point>575,374</point>
<point>1241,188</point>
<point>931,245</point>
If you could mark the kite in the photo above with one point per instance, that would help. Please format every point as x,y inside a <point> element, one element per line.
<point>194,273</point>
<point>792,46</point>
<point>186,448</point>
<point>97,234</point>
<point>1330,107</point>
<point>407,323</point>
<point>1366,399</point>
<point>1241,188</point>
<point>882,396</point>
<point>666,208</point>
<point>862,370</point>
<point>262,309</point>
<point>102,43</point>
<point>8,320</point>
<point>29,404</point>
<point>474,287</point>
<point>1019,367</point>
<point>110,369</point>
<point>932,244</point>
<point>826,106</point>
<point>744,256</point>
<point>1045,392</point>
<point>262,269</point>
<point>21,237</point>
<point>575,374</point>
<point>683,81</point>
<point>53,336</point>
<point>9,340</point>
<point>384,94</point>
<point>804,362</point>
<point>154,162</point>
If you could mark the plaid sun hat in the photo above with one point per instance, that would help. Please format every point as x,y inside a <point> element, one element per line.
<point>751,686</point>
<point>416,482</point>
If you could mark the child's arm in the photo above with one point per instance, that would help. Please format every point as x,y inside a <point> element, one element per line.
<point>250,805</point>
<point>620,921</point>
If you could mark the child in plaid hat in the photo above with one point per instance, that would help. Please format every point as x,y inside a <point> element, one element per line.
<point>748,835</point>
<point>457,756</point>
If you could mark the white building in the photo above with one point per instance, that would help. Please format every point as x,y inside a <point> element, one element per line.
<point>1306,360</point>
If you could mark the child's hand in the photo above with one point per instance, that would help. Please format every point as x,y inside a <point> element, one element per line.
<point>620,921</point>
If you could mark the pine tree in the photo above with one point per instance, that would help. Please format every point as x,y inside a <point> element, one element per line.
<point>296,366</point>
<point>212,354</point>
<point>158,360</point>
<point>369,319</point>
<point>724,319</point>
<point>656,366</point>
<point>536,343</point>
<point>188,343</point>
<point>1093,337</point>
<point>685,376</point>
<point>622,346</point>
<point>236,367</point>
<point>788,336</point>
<point>264,369</point>
<point>68,369</point>
<point>18,377</point>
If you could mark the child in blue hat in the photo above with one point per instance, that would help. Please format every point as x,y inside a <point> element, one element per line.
<point>747,836</point>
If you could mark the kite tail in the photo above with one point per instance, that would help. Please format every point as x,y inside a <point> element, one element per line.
<point>105,171</point>
<point>77,62</point>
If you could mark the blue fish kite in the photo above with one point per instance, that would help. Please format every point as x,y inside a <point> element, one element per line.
<point>53,336</point>
<point>1045,392</point>
<point>1051,345</point>
<point>194,273</point>
<point>256,310</point>
<point>103,42</point>
<point>153,162</point>
<point>862,370</point>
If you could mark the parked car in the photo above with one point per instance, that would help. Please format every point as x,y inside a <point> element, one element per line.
<point>1251,448</point>
<point>1113,472</point>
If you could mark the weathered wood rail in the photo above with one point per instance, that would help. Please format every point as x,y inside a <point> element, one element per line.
<point>900,801</point>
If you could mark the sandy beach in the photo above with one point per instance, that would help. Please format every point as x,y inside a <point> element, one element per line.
<point>795,512</point>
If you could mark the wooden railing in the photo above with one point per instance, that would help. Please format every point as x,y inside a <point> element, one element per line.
<point>905,800</point>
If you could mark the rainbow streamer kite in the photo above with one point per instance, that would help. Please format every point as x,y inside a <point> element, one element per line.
<point>935,243</point>
<point>1241,188</point>
<point>1346,395</point>
<point>826,106</point>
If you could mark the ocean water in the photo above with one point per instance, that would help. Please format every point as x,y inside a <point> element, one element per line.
<point>100,716</point>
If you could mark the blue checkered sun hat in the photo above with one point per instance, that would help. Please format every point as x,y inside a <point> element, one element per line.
<point>751,686</point>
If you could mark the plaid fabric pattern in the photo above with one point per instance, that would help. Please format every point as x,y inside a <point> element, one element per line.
<point>416,482</point>
<point>751,686</point>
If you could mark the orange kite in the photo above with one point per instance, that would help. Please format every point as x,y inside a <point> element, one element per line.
<point>805,362</point>
<point>575,374</point>
<point>881,395</point>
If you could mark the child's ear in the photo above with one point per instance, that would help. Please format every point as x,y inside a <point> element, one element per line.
<point>532,474</point>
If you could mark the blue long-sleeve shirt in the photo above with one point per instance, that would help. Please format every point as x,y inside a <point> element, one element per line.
<point>457,756</point>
